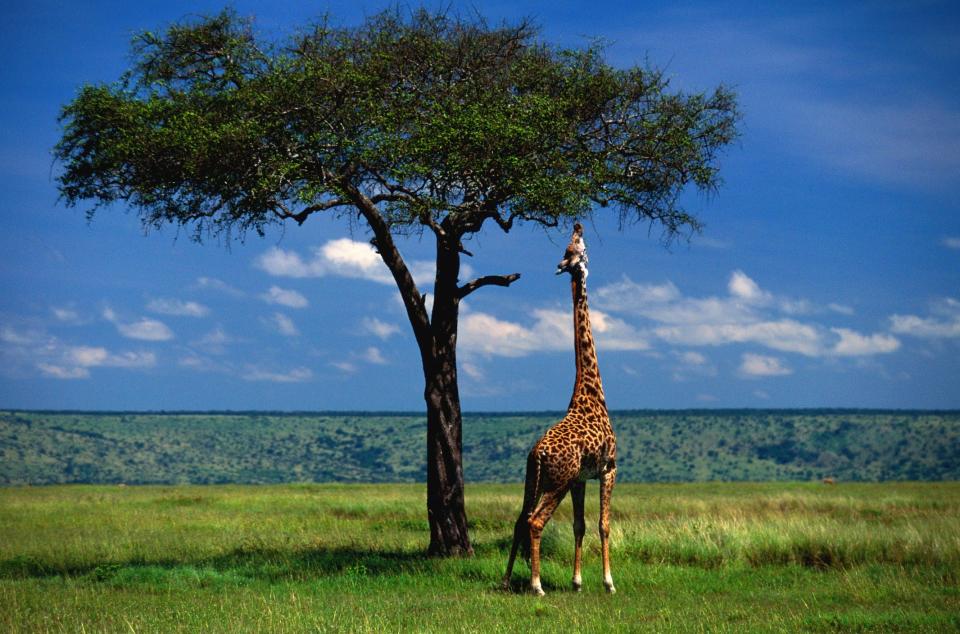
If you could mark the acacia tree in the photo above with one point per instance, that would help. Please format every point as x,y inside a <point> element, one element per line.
<point>413,122</point>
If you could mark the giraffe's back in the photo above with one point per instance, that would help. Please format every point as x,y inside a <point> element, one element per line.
<point>579,447</point>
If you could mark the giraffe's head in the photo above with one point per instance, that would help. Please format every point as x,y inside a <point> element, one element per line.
<point>575,259</point>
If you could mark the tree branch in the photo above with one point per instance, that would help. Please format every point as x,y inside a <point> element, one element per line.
<point>487,280</point>
<point>412,299</point>
<point>283,212</point>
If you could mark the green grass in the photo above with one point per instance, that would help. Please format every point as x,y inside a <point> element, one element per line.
<point>346,557</point>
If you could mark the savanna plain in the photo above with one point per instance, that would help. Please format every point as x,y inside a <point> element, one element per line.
<point>234,523</point>
<point>349,557</point>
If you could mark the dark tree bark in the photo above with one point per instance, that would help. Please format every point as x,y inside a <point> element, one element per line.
<point>445,497</point>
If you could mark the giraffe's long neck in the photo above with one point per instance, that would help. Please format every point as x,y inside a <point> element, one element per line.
<point>588,385</point>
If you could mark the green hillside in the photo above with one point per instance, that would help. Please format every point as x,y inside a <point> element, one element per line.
<point>655,446</point>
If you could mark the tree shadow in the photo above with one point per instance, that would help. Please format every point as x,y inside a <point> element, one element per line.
<point>260,564</point>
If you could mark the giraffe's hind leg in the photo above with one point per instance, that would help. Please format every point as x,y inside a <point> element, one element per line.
<point>607,481</point>
<point>577,492</point>
<point>538,519</point>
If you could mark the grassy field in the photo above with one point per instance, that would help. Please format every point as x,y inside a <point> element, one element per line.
<point>347,557</point>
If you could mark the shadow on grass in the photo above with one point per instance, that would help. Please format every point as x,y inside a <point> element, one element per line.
<point>262,564</point>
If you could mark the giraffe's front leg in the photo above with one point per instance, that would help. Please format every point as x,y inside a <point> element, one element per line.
<point>607,481</point>
<point>577,492</point>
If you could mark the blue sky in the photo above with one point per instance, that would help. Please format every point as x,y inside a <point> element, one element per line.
<point>828,274</point>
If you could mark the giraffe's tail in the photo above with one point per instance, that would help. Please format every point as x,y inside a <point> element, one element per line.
<point>531,492</point>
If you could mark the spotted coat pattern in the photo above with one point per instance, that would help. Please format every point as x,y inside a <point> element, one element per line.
<point>580,447</point>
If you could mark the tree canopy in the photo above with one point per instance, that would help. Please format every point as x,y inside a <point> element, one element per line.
<point>437,120</point>
<point>415,122</point>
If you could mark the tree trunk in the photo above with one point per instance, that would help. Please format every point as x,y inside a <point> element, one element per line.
<point>445,505</point>
<point>437,339</point>
<point>446,512</point>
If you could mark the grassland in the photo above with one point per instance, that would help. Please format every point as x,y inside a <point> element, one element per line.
<point>265,448</point>
<point>347,557</point>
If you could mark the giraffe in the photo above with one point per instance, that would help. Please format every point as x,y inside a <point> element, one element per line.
<point>581,446</point>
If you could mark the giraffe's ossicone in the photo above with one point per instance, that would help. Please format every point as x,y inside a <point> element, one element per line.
<point>580,447</point>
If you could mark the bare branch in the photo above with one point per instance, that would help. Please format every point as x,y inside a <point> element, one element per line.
<point>284,212</point>
<point>487,280</point>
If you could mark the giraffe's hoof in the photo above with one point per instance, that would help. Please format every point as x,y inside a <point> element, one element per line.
<point>537,591</point>
<point>611,589</point>
<point>577,585</point>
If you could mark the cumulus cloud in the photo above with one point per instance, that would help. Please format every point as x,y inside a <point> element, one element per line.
<point>551,330</point>
<point>61,372</point>
<point>145,329</point>
<point>177,308</point>
<point>214,284</point>
<point>378,328</point>
<point>374,356</point>
<point>285,297</point>
<point>346,367</point>
<point>758,365</point>
<point>342,257</point>
<point>282,324</point>
<point>66,315</point>
<point>854,344</point>
<point>743,287</point>
<point>747,314</point>
<point>943,323</point>
<point>74,362</point>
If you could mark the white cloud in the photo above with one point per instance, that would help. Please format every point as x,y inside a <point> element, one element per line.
<point>145,330</point>
<point>841,309</point>
<point>60,372</point>
<point>854,344</point>
<point>692,358</point>
<point>344,366</point>
<point>177,308</point>
<point>748,315</point>
<point>745,288</point>
<point>952,242</point>
<point>9,335</point>
<point>473,371</point>
<point>25,352</point>
<point>92,356</point>
<point>283,324</point>
<point>692,363</point>
<point>285,297</point>
<point>296,375</point>
<point>66,315</point>
<point>551,330</point>
<point>786,335</point>
<point>374,356</point>
<point>74,362</point>
<point>212,283</point>
<point>214,342</point>
<point>758,365</point>
<point>379,328</point>
<point>943,324</point>
<point>342,257</point>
